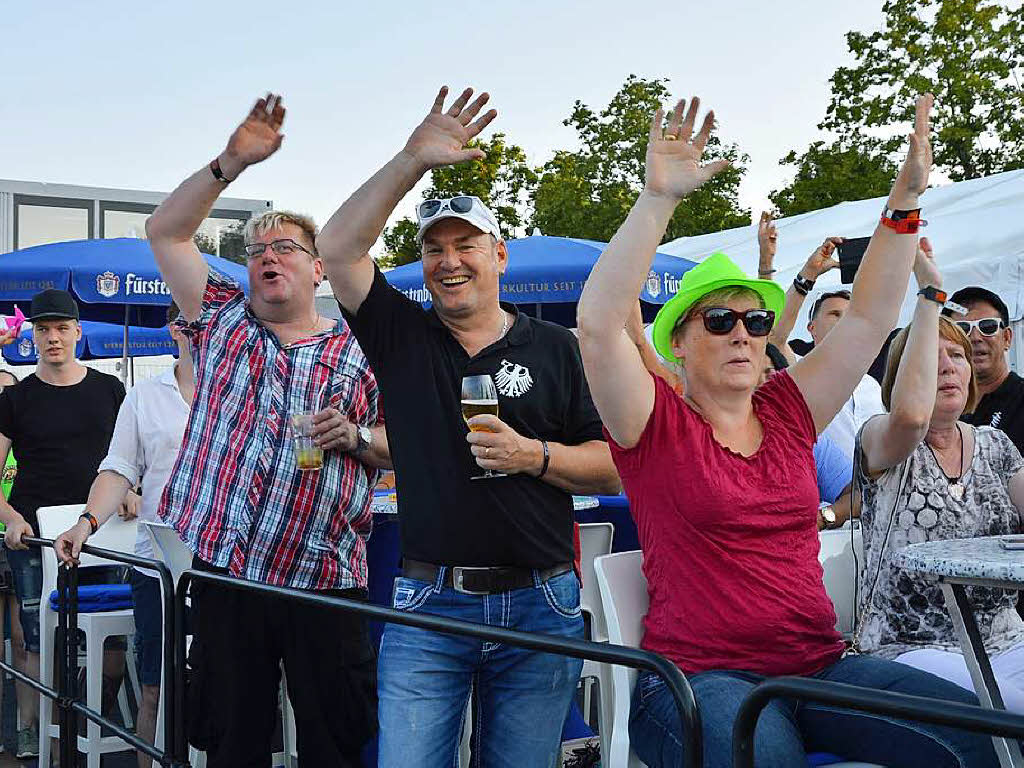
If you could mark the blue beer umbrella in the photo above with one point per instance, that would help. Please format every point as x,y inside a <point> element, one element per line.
<point>546,270</point>
<point>99,340</point>
<point>106,277</point>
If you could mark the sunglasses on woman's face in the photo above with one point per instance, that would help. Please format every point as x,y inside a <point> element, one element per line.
<point>721,320</point>
<point>987,326</point>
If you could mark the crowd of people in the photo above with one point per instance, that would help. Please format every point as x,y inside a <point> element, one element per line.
<point>733,450</point>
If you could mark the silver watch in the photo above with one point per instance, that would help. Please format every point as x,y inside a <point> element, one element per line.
<point>828,515</point>
<point>364,437</point>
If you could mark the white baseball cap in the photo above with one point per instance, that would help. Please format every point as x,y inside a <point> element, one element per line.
<point>469,208</point>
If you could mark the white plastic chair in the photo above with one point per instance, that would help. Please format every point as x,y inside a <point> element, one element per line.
<point>623,588</point>
<point>118,535</point>
<point>836,556</point>
<point>596,541</point>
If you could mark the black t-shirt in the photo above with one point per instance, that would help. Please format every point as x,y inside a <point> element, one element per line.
<point>1004,409</point>
<point>445,517</point>
<point>59,436</point>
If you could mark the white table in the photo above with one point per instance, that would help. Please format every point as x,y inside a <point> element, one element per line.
<point>980,562</point>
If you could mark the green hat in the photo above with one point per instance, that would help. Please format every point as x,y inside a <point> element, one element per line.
<point>716,271</point>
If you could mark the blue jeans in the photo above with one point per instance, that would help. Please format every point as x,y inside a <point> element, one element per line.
<point>424,678</point>
<point>788,729</point>
<point>27,572</point>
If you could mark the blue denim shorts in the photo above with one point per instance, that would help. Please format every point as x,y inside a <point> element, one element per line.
<point>27,572</point>
<point>148,626</point>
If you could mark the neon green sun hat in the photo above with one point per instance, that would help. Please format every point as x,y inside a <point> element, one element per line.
<point>716,271</point>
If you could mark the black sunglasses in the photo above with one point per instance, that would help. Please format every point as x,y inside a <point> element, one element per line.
<point>430,208</point>
<point>721,320</point>
<point>987,326</point>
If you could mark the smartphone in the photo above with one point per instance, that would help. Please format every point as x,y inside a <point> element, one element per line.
<point>851,251</point>
<point>1012,542</point>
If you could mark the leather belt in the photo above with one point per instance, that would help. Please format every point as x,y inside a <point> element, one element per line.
<point>481,581</point>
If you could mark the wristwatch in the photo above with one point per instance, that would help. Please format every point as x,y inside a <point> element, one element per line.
<point>364,437</point>
<point>828,515</point>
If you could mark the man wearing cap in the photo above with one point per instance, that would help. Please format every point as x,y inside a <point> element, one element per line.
<point>58,421</point>
<point>987,325</point>
<point>493,550</point>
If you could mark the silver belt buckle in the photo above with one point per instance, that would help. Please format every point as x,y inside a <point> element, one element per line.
<point>457,580</point>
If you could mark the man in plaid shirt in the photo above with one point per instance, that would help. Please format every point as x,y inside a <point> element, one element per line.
<point>237,496</point>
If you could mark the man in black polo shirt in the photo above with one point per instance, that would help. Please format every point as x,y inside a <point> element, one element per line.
<point>987,325</point>
<point>496,550</point>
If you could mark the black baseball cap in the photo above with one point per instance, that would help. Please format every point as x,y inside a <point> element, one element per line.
<point>53,303</point>
<point>973,293</point>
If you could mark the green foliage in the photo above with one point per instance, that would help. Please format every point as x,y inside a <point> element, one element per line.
<point>589,192</point>
<point>400,246</point>
<point>827,175</point>
<point>969,53</point>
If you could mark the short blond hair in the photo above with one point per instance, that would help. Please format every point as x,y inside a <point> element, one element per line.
<point>949,331</point>
<point>265,222</point>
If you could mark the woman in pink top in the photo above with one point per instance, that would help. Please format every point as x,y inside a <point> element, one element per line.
<point>722,481</point>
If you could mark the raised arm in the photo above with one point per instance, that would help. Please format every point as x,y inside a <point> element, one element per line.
<point>830,373</point>
<point>889,438</point>
<point>174,223</point>
<point>817,264</point>
<point>345,240</point>
<point>622,388</point>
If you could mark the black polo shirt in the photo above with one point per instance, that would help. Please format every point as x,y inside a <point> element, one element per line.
<point>1003,408</point>
<point>445,517</point>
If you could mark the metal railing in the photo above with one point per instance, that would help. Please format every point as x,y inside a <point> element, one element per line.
<point>926,710</point>
<point>66,658</point>
<point>579,649</point>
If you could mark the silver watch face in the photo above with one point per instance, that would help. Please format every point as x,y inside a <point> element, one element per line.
<point>828,514</point>
<point>365,437</point>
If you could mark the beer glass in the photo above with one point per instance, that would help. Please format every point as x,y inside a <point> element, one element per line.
<point>308,455</point>
<point>479,397</point>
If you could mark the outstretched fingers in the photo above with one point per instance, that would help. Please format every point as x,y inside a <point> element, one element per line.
<point>686,130</point>
<point>676,119</point>
<point>656,125</point>
<point>459,103</point>
<point>439,100</point>
<point>705,131</point>
<point>471,111</point>
<point>474,128</point>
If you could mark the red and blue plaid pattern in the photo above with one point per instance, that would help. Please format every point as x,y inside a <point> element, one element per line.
<point>236,495</point>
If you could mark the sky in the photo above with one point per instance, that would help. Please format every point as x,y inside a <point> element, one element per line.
<point>139,95</point>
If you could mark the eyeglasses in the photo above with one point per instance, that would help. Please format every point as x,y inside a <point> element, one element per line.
<point>721,320</point>
<point>428,209</point>
<point>283,247</point>
<point>987,326</point>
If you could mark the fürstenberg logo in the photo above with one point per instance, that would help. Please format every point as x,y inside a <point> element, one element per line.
<point>133,284</point>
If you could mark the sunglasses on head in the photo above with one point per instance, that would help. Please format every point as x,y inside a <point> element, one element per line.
<point>721,320</point>
<point>428,209</point>
<point>987,326</point>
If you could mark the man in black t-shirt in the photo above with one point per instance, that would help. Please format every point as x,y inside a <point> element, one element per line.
<point>58,421</point>
<point>493,550</point>
<point>987,325</point>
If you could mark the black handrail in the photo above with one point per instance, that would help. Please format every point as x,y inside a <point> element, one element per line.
<point>926,710</point>
<point>67,660</point>
<point>580,649</point>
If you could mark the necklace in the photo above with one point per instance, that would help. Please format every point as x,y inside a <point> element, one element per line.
<point>504,325</point>
<point>956,486</point>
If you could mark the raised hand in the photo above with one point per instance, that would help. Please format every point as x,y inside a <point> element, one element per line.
<point>767,241</point>
<point>673,159</point>
<point>257,138</point>
<point>442,136</point>
<point>926,271</point>
<point>912,179</point>
<point>821,261</point>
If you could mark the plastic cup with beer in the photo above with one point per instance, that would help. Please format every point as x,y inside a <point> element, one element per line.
<point>308,455</point>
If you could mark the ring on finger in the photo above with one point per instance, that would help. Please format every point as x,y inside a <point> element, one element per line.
<point>487,452</point>
<point>670,137</point>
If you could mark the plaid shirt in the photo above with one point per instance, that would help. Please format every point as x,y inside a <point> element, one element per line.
<point>236,495</point>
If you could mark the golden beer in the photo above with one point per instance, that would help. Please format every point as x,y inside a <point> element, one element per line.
<point>471,408</point>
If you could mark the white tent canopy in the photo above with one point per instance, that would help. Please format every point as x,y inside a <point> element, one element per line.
<point>976,228</point>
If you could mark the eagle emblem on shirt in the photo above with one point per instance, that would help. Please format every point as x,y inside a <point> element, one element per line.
<point>513,379</point>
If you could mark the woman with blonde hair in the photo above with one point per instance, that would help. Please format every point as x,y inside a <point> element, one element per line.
<point>722,483</point>
<point>927,476</point>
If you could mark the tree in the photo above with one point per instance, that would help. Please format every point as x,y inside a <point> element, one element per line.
<point>827,175</point>
<point>228,245</point>
<point>969,53</point>
<point>501,179</point>
<point>588,193</point>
